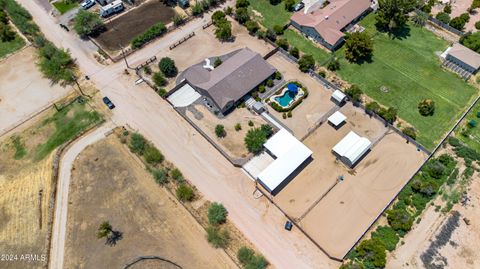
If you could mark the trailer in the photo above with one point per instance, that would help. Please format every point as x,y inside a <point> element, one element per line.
<point>112,8</point>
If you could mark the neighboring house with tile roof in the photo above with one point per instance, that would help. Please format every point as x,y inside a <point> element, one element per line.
<point>325,24</point>
<point>228,83</point>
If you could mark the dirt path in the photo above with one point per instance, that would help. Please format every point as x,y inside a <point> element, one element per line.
<point>61,205</point>
<point>142,109</point>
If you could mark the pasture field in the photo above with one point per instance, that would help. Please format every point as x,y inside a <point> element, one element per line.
<point>469,134</point>
<point>268,14</point>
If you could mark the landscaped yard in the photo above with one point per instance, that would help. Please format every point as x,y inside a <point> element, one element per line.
<point>306,46</point>
<point>410,69</point>
<point>64,6</point>
<point>271,15</point>
<point>9,47</point>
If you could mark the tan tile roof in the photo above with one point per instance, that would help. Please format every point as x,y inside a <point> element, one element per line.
<point>330,20</point>
<point>465,55</point>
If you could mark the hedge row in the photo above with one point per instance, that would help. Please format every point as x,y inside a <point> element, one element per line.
<point>152,33</point>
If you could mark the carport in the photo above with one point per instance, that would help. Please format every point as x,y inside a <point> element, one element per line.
<point>184,96</point>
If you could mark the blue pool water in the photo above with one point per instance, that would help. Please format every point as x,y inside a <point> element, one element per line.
<point>285,99</point>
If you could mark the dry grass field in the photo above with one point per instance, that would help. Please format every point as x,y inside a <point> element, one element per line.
<point>108,183</point>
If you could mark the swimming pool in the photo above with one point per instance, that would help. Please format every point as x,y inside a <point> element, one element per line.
<point>285,99</point>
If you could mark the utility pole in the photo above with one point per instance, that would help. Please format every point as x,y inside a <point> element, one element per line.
<point>78,85</point>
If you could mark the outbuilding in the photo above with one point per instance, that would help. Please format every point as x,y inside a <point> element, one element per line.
<point>352,148</point>
<point>338,96</point>
<point>337,119</point>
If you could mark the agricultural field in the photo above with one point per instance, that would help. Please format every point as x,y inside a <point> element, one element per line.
<point>121,30</point>
<point>26,179</point>
<point>409,69</point>
<point>110,184</point>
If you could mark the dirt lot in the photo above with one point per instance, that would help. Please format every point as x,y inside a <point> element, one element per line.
<point>123,29</point>
<point>459,7</point>
<point>363,193</point>
<point>109,184</point>
<point>232,143</point>
<point>312,108</point>
<point>23,90</point>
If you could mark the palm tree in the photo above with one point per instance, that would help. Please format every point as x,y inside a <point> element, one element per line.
<point>104,230</point>
<point>419,18</point>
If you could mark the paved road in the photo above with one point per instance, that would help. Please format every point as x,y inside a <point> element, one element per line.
<point>61,205</point>
<point>142,109</point>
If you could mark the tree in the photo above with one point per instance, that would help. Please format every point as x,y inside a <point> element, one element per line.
<point>358,46</point>
<point>152,155</point>
<point>242,4</point>
<point>289,4</point>
<point>426,107</point>
<point>87,23</point>
<point>3,17</point>
<point>333,64</point>
<point>419,18</point>
<point>241,14</point>
<point>218,17</point>
<point>278,29</point>
<point>217,214</point>
<point>294,52</point>
<point>178,19</point>
<point>184,193</point>
<point>137,143</point>
<point>372,251</point>
<point>6,33</point>
<point>245,255</point>
<point>217,62</point>
<point>282,43</point>
<point>355,93</point>
<point>399,219</point>
<point>224,31</point>
<point>159,79</point>
<point>255,139</point>
<point>252,26</point>
<point>471,41</point>
<point>167,66</point>
<point>460,21</point>
<point>56,64</point>
<point>443,17</point>
<point>388,236</point>
<point>393,14</point>
<point>306,63</point>
<point>275,2</point>
<point>217,237</point>
<point>104,230</point>
<point>373,106</point>
<point>220,131</point>
<point>410,131</point>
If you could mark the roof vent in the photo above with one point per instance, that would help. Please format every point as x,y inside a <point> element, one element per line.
<point>326,17</point>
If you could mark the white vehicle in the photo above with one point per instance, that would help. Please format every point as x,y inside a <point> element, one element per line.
<point>87,4</point>
<point>112,8</point>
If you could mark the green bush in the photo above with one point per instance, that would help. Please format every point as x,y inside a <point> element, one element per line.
<point>178,19</point>
<point>162,92</point>
<point>388,236</point>
<point>56,64</point>
<point>137,143</point>
<point>294,52</point>
<point>159,79</point>
<point>220,131</point>
<point>282,43</point>
<point>152,33</point>
<point>322,73</point>
<point>250,123</point>
<point>261,89</point>
<point>373,106</point>
<point>426,107</point>
<point>218,238</point>
<point>289,4</point>
<point>177,175</point>
<point>167,66</point>
<point>270,83</point>
<point>185,193</point>
<point>252,26</point>
<point>160,176</point>
<point>241,15</point>
<point>399,220</point>
<point>355,93</point>
<point>373,252</point>
<point>197,9</point>
<point>217,62</point>
<point>306,63</point>
<point>242,3</point>
<point>257,262</point>
<point>218,17</point>
<point>443,17</point>
<point>255,139</point>
<point>224,31</point>
<point>278,29</point>
<point>152,155</point>
<point>410,131</point>
<point>333,64</point>
<point>217,214</point>
<point>238,127</point>
<point>278,75</point>
<point>245,255</point>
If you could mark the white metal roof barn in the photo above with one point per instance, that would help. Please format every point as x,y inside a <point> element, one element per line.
<point>338,96</point>
<point>184,96</point>
<point>290,154</point>
<point>352,147</point>
<point>337,118</point>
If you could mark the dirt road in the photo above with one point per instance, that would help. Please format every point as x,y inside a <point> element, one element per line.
<point>213,175</point>
<point>61,205</point>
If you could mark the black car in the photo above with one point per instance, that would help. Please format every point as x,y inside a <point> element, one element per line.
<point>298,6</point>
<point>288,225</point>
<point>109,103</point>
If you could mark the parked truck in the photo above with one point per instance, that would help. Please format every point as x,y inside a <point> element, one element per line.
<point>112,8</point>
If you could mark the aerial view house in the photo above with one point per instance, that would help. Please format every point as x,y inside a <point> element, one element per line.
<point>227,84</point>
<point>326,21</point>
<point>461,60</point>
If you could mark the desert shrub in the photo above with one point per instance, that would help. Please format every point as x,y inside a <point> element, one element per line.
<point>137,143</point>
<point>152,33</point>
<point>267,130</point>
<point>306,63</point>
<point>217,237</point>
<point>152,155</point>
<point>56,64</point>
<point>197,9</point>
<point>355,93</point>
<point>177,175</point>
<point>178,19</point>
<point>160,176</point>
<point>147,70</point>
<point>217,214</point>
<point>388,236</point>
<point>159,79</point>
<point>322,73</point>
<point>224,31</point>
<point>167,66</point>
<point>245,255</point>
<point>261,89</point>
<point>238,127</point>
<point>257,262</point>
<point>220,131</point>
<point>218,17</point>
<point>447,9</point>
<point>185,193</point>
<point>250,123</point>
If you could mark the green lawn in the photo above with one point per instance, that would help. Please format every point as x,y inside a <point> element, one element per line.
<point>68,122</point>
<point>411,71</point>
<point>470,135</point>
<point>9,47</point>
<point>271,15</point>
<point>64,6</point>
<point>306,46</point>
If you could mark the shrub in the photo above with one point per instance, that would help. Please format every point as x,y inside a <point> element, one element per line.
<point>459,22</point>
<point>152,155</point>
<point>6,33</point>
<point>426,107</point>
<point>410,131</point>
<point>147,70</point>
<point>278,29</point>
<point>275,2</point>
<point>217,62</point>
<point>218,17</point>
<point>56,64</point>
<point>159,79</point>
<point>399,219</point>
<point>245,255</point>
<point>220,131</point>
<point>355,93</point>
<point>294,52</point>
<point>289,114</point>
<point>86,23</point>
<point>167,66</point>
<point>197,9</point>
<point>241,15</point>
<point>306,63</point>
<point>250,123</point>
<point>137,143</point>
<point>162,92</point>
<point>160,176</point>
<point>178,19</point>
<point>389,115</point>
<point>238,127</point>
<point>184,193</point>
<point>373,106</point>
<point>270,83</point>
<point>322,73</point>
<point>333,64</point>
<point>224,31</point>
<point>271,35</point>
<point>152,33</point>
<point>388,236</point>
<point>261,88</point>
<point>228,10</point>
<point>477,25</point>
<point>447,9</point>
<point>252,26</point>
<point>443,17</point>
<point>282,43</point>
<point>267,130</point>
<point>372,251</point>
<point>177,175</point>
<point>217,237</point>
<point>242,3</point>
<point>217,214</point>
<point>284,115</point>
<point>289,4</point>
<point>257,262</point>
